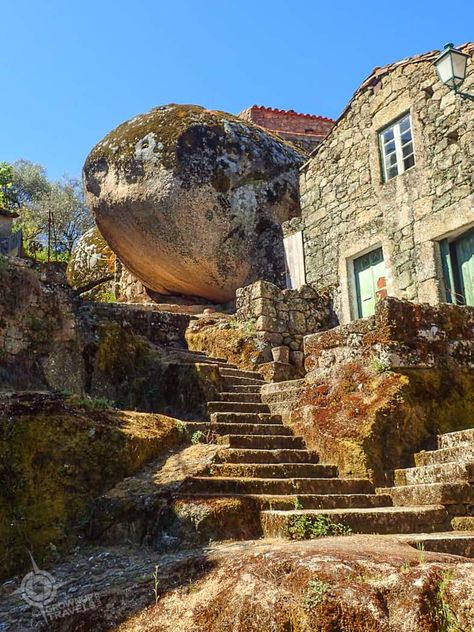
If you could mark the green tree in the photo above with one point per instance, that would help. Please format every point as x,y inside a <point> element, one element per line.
<point>8,198</point>
<point>47,207</point>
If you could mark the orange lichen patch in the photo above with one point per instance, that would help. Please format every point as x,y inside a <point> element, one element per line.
<point>369,421</point>
<point>226,338</point>
<point>362,585</point>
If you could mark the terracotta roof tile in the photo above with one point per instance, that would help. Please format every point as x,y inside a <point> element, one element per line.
<point>290,113</point>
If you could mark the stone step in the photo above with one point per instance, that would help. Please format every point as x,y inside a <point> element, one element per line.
<point>456,439</point>
<point>233,455</point>
<point>374,520</point>
<point>236,407</point>
<point>440,473</point>
<point>285,486</point>
<point>243,388</point>
<point>203,354</point>
<point>430,494</point>
<point>201,358</point>
<point>245,418</point>
<point>240,381</point>
<point>446,455</point>
<point>308,501</point>
<point>251,429</point>
<point>231,372</point>
<point>272,470</point>
<point>262,442</point>
<point>444,542</point>
<point>251,398</point>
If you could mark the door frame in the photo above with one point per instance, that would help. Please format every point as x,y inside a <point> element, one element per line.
<point>358,294</point>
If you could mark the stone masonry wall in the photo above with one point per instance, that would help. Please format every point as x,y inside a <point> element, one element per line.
<point>401,335</point>
<point>46,330</point>
<point>348,209</point>
<point>285,316</point>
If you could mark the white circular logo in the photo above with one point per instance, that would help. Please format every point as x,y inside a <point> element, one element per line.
<point>38,588</point>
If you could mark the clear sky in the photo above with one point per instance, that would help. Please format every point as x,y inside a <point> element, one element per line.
<point>74,69</point>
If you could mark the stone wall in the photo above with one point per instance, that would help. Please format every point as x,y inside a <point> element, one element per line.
<point>401,335</point>
<point>348,209</point>
<point>285,316</point>
<point>132,355</point>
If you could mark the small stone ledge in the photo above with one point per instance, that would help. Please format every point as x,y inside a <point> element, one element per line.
<point>400,335</point>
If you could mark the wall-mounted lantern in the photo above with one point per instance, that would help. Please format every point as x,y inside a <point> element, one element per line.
<point>451,69</point>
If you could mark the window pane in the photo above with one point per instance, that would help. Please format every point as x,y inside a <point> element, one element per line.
<point>406,136</point>
<point>409,161</point>
<point>405,124</point>
<point>390,147</point>
<point>407,149</point>
<point>392,171</point>
<point>388,135</point>
<point>391,160</point>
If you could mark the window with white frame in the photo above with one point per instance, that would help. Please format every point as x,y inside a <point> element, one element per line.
<point>396,147</point>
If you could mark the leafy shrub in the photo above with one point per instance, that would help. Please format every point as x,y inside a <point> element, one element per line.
<point>91,403</point>
<point>305,527</point>
<point>197,437</point>
<point>316,593</point>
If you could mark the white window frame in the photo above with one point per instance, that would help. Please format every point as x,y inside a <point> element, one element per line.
<point>395,126</point>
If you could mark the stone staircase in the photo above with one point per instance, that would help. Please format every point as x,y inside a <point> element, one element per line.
<point>261,459</point>
<point>444,476</point>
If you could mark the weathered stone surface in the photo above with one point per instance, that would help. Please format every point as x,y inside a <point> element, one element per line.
<point>191,200</point>
<point>285,316</point>
<point>129,354</point>
<point>56,455</point>
<point>357,583</point>
<point>401,335</point>
<point>225,337</point>
<point>92,260</point>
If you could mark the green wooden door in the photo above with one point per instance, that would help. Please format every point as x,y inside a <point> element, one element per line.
<point>464,247</point>
<point>368,270</point>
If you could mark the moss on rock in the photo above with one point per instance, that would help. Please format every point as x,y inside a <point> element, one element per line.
<point>369,422</point>
<point>56,456</point>
<point>225,337</point>
<point>138,375</point>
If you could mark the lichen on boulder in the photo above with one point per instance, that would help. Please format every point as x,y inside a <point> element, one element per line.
<point>192,200</point>
<point>369,421</point>
<point>225,337</point>
<point>92,260</point>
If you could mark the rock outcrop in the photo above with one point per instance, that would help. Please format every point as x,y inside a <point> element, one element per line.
<point>192,200</point>
<point>92,260</point>
<point>358,584</point>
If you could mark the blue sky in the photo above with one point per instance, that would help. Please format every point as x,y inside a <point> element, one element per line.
<point>72,70</point>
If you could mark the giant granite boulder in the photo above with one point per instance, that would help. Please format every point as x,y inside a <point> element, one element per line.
<point>191,200</point>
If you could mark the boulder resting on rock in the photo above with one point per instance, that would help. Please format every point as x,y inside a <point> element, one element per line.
<point>191,200</point>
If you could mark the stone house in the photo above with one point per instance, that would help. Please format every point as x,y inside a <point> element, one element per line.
<point>303,130</point>
<point>10,243</point>
<point>388,196</point>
